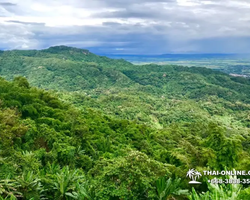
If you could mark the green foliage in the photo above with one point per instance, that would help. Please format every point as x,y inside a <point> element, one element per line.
<point>30,186</point>
<point>128,177</point>
<point>21,82</point>
<point>8,189</point>
<point>166,189</point>
<point>114,130</point>
<point>244,193</point>
<point>219,192</point>
<point>65,183</point>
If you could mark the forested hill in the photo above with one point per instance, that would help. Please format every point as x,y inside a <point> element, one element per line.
<point>64,53</point>
<point>52,150</point>
<point>72,69</point>
<point>152,94</point>
<point>113,130</point>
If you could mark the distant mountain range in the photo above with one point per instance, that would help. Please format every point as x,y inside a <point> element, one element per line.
<point>183,56</point>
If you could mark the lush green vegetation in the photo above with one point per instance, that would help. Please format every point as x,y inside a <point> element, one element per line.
<point>112,130</point>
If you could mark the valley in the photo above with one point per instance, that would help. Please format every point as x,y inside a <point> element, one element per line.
<point>105,128</point>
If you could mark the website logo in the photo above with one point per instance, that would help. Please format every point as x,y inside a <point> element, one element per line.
<point>193,175</point>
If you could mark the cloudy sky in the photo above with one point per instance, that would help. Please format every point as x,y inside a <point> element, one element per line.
<point>127,26</point>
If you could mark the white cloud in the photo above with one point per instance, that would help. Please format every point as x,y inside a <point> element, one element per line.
<point>175,24</point>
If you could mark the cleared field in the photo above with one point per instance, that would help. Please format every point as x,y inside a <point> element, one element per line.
<point>228,63</point>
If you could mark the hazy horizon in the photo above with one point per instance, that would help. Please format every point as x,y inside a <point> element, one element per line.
<point>150,55</point>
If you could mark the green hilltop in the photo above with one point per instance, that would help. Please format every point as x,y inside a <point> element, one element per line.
<point>72,69</point>
<point>150,94</point>
<point>74,125</point>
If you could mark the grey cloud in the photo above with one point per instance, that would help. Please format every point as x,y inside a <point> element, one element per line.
<point>115,3</point>
<point>7,4</point>
<point>111,24</point>
<point>122,3</point>
<point>201,28</point>
<point>25,23</point>
<point>146,14</point>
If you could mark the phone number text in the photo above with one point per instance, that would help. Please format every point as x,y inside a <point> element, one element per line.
<point>229,181</point>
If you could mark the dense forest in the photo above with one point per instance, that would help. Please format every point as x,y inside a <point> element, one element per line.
<point>74,125</point>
